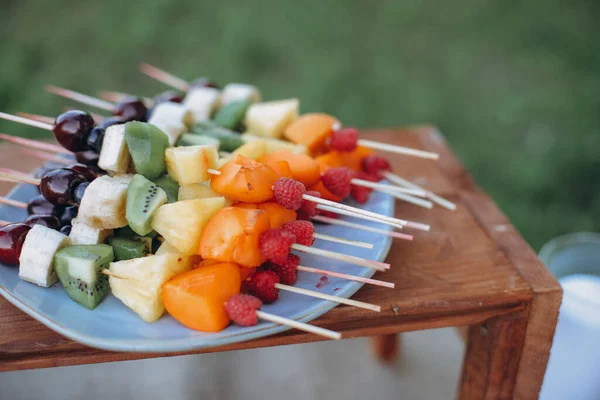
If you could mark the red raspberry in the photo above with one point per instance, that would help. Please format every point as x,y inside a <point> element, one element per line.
<point>361,193</point>
<point>288,273</point>
<point>374,164</point>
<point>337,181</point>
<point>303,230</point>
<point>309,208</point>
<point>329,214</point>
<point>241,309</point>
<point>262,285</point>
<point>288,193</point>
<point>344,139</point>
<point>275,245</point>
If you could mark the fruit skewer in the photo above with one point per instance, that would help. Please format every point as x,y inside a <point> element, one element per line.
<point>244,310</point>
<point>334,221</point>
<point>408,184</point>
<point>184,86</point>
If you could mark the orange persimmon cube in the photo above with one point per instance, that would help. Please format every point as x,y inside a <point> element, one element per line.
<point>304,168</point>
<point>243,179</point>
<point>311,130</point>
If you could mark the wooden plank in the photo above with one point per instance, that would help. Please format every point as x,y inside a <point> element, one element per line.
<point>454,275</point>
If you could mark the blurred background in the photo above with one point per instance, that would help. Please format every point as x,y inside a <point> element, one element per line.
<point>514,86</point>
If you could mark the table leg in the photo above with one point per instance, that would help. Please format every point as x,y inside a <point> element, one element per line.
<point>386,347</point>
<point>492,357</point>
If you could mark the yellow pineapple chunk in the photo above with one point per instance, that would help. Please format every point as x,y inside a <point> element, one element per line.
<point>182,223</point>
<point>189,164</point>
<point>253,150</point>
<point>274,145</point>
<point>271,118</point>
<point>138,282</point>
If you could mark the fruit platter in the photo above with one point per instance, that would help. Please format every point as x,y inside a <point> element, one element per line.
<point>197,218</point>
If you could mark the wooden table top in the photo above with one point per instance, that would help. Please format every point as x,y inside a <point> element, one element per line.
<point>473,265</point>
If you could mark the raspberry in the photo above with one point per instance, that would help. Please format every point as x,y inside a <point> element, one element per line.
<point>303,230</point>
<point>337,181</point>
<point>309,208</point>
<point>373,164</point>
<point>288,274</point>
<point>344,140</point>
<point>241,308</point>
<point>288,193</point>
<point>329,214</point>
<point>262,285</point>
<point>275,245</point>
<point>361,193</point>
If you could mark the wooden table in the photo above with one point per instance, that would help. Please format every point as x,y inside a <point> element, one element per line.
<point>473,269</point>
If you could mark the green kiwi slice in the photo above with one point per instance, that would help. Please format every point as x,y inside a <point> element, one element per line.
<point>147,145</point>
<point>79,269</point>
<point>231,115</point>
<point>170,186</point>
<point>143,199</point>
<point>130,248</point>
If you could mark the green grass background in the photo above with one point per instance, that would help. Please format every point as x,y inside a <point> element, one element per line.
<point>515,86</point>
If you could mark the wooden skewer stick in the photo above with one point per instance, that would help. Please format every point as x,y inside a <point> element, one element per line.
<point>213,171</point>
<point>379,266</point>
<point>164,77</point>
<point>37,117</point>
<point>335,239</point>
<point>26,121</point>
<point>337,299</point>
<point>44,155</point>
<point>371,144</point>
<point>352,225</point>
<point>34,144</point>
<point>18,177</point>
<point>13,203</point>
<point>408,184</point>
<point>387,188</point>
<point>117,97</point>
<point>410,199</point>
<point>349,277</point>
<point>81,98</point>
<point>354,215</point>
<point>299,325</point>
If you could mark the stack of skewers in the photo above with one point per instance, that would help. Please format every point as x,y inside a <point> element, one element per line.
<point>169,206</point>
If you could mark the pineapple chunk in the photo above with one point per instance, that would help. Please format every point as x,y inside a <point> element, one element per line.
<point>167,248</point>
<point>239,91</point>
<point>197,191</point>
<point>271,118</point>
<point>138,282</point>
<point>103,204</point>
<point>114,155</point>
<point>254,149</point>
<point>82,233</point>
<point>189,164</point>
<point>182,223</point>
<point>202,102</point>
<point>274,145</point>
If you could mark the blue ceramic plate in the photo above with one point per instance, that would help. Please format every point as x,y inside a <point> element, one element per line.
<point>113,326</point>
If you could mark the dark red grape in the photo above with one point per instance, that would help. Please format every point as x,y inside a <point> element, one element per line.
<point>131,110</point>
<point>94,139</point>
<point>68,214</point>
<point>12,237</point>
<point>71,129</point>
<point>89,173</point>
<point>47,220</point>
<point>87,157</point>
<point>66,230</point>
<point>59,185</point>
<point>39,205</point>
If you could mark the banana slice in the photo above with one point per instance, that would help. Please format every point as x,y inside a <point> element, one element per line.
<point>114,155</point>
<point>82,233</point>
<point>103,204</point>
<point>239,91</point>
<point>36,264</point>
<point>202,102</point>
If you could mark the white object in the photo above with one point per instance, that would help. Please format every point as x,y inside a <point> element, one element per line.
<point>239,91</point>
<point>82,233</point>
<point>114,155</point>
<point>201,102</point>
<point>171,118</point>
<point>36,263</point>
<point>103,204</point>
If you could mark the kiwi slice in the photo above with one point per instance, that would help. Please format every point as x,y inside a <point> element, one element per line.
<point>79,269</point>
<point>130,248</point>
<point>143,199</point>
<point>231,115</point>
<point>170,186</point>
<point>189,139</point>
<point>228,139</point>
<point>126,232</point>
<point>147,146</point>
